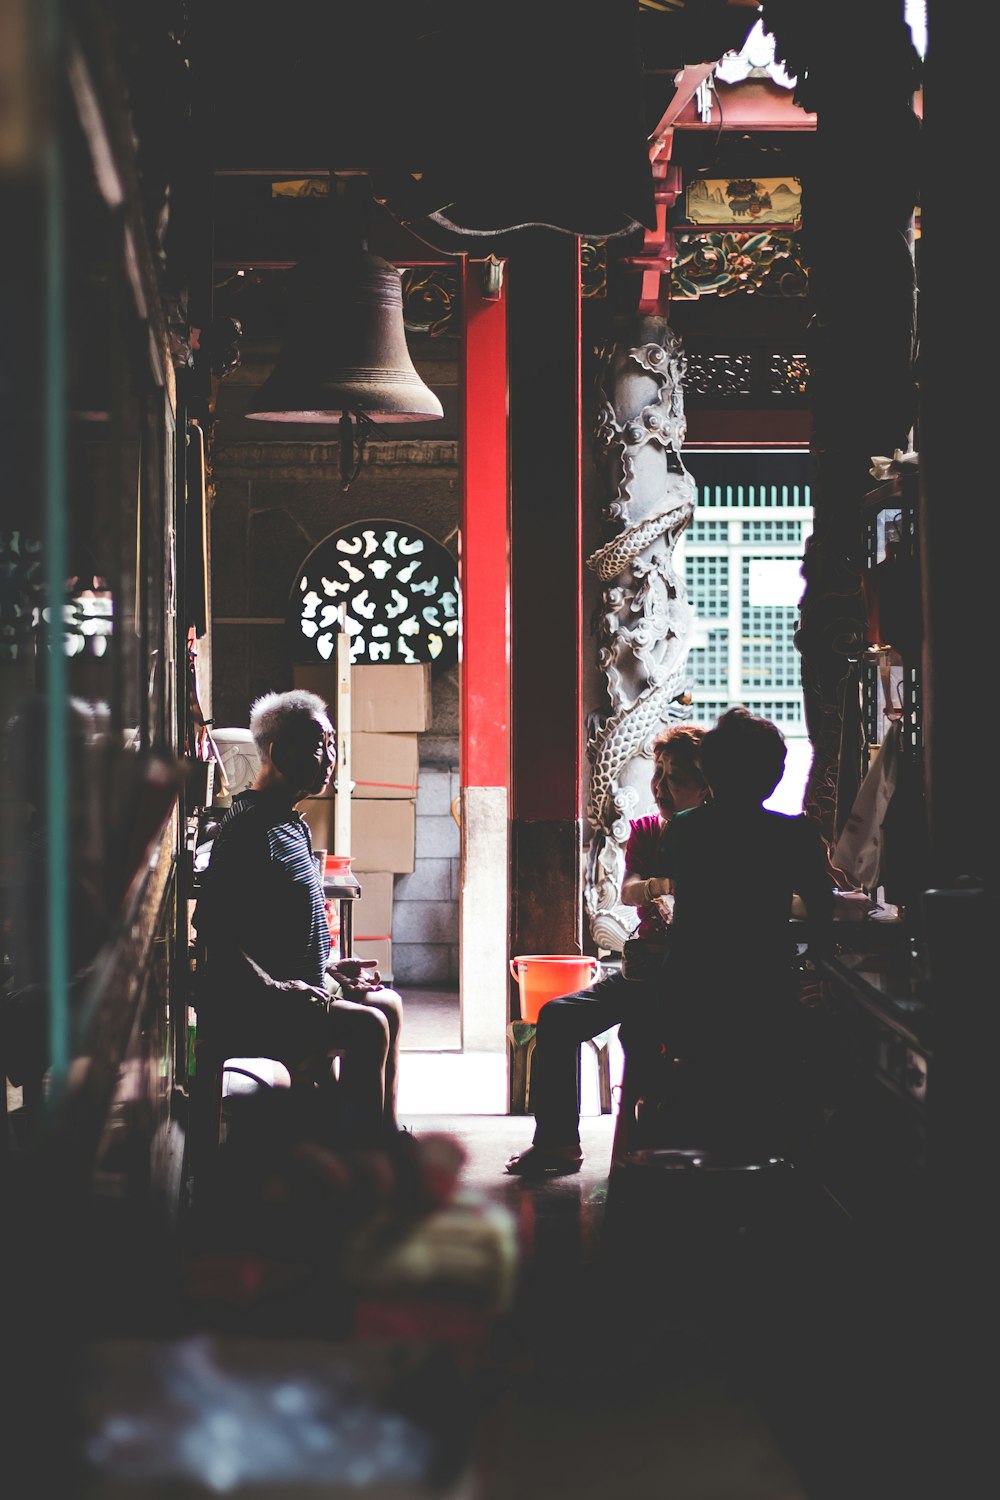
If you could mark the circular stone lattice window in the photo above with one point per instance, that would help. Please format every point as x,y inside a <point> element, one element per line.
<point>391,586</point>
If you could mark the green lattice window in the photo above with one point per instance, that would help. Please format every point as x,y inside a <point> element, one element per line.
<point>730,496</point>
<point>779,710</point>
<point>706,531</point>
<point>710,662</point>
<point>707,579</point>
<point>706,711</point>
<point>775,532</point>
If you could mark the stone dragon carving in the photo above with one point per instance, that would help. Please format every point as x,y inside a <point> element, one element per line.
<point>644,619</point>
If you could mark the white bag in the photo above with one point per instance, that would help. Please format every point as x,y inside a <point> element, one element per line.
<point>857,854</point>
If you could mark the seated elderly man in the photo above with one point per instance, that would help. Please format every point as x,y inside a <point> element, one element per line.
<point>270,987</point>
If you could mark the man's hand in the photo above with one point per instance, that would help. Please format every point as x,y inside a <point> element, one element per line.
<point>357,976</point>
<point>320,996</point>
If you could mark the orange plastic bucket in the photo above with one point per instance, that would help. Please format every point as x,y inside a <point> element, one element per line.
<point>542,976</point>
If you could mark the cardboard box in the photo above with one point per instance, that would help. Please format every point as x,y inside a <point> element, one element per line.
<point>378,948</point>
<point>318,813</point>
<point>373,908</point>
<point>387,698</point>
<point>384,765</point>
<point>321,679</point>
<point>383,835</point>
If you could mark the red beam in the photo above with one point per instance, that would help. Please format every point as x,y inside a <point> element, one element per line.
<point>748,429</point>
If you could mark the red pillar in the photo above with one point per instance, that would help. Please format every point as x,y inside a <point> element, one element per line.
<point>485,670</point>
<point>485,687</point>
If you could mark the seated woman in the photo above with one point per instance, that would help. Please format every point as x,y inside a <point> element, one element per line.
<point>568,1020</point>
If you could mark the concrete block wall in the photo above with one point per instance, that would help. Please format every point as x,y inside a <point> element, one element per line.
<point>425,903</point>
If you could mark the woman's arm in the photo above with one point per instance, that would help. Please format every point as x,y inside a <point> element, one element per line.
<point>640,891</point>
<point>640,886</point>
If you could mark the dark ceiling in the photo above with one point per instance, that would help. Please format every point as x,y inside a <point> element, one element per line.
<point>496,117</point>
<point>384,84</point>
<point>528,113</point>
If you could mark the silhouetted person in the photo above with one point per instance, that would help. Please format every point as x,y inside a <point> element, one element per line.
<point>567,1020</point>
<point>732,1022</point>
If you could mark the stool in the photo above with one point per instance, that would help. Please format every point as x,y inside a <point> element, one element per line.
<point>212,1061</point>
<point>205,1119</point>
<point>522,1037</point>
<point>696,1187</point>
<point>696,1131</point>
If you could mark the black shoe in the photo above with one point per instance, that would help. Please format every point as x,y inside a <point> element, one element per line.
<point>545,1161</point>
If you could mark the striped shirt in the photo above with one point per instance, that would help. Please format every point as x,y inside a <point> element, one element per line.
<point>262,891</point>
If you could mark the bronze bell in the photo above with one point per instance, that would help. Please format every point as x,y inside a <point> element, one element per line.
<point>345,354</point>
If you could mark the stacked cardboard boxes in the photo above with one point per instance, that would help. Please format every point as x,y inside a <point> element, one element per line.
<point>390,705</point>
<point>373,919</point>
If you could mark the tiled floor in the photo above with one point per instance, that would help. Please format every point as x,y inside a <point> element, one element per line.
<point>659,1356</point>
<point>655,1350</point>
<point>648,1357</point>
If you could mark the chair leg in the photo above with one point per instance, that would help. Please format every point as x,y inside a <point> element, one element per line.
<point>603,1058</point>
<point>625,1123</point>
<point>529,1058</point>
<point>206,1106</point>
<point>604,1079</point>
<point>520,1077</point>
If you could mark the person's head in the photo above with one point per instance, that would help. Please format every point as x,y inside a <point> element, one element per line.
<point>295,741</point>
<point>743,757</point>
<point>677,781</point>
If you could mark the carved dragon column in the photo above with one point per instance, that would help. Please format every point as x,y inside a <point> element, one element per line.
<point>644,617</point>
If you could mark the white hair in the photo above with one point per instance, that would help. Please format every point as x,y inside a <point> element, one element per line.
<point>271,715</point>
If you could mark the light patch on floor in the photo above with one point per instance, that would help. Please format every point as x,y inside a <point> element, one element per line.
<point>475,1083</point>
<point>461,1083</point>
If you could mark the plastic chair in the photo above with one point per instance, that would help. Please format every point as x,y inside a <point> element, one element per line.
<point>522,1037</point>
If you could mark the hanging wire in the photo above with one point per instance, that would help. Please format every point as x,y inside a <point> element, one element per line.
<point>352,451</point>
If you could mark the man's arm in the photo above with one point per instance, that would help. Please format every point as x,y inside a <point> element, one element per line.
<point>267,983</point>
<point>230,971</point>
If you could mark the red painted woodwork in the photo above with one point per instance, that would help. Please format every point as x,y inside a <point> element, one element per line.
<point>485,674</point>
<point>709,427</point>
<point>754,104</point>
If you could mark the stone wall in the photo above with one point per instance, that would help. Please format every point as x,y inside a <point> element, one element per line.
<point>425,904</point>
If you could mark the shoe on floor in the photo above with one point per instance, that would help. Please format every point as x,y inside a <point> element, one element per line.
<point>545,1161</point>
